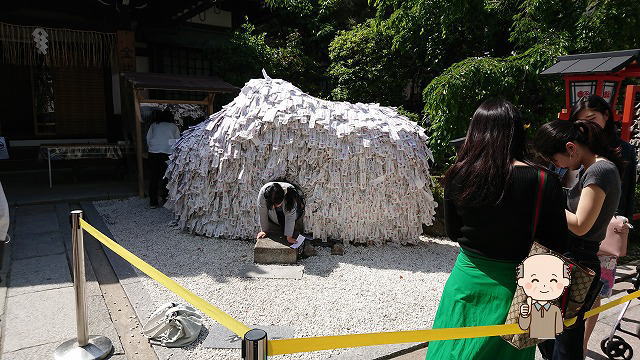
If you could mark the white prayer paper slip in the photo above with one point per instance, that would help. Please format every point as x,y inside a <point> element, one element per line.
<point>298,242</point>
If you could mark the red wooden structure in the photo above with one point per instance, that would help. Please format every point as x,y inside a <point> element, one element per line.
<point>601,74</point>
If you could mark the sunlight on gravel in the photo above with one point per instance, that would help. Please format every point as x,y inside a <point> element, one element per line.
<point>369,289</point>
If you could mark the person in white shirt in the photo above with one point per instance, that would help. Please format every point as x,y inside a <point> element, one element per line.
<point>161,137</point>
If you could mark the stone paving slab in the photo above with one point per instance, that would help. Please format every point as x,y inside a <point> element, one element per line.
<point>100,322</point>
<point>20,192</point>
<point>3,295</point>
<point>33,209</point>
<point>604,327</point>
<point>380,351</point>
<point>222,338</point>
<point>38,274</point>
<point>37,245</point>
<point>45,351</point>
<point>90,276</point>
<point>6,260</point>
<point>50,317</point>
<point>271,271</point>
<point>123,269</point>
<point>165,353</point>
<point>39,352</point>
<point>62,211</point>
<point>140,300</point>
<point>35,223</point>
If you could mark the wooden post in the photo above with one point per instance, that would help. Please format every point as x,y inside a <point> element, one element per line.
<point>138,124</point>
<point>126,50</point>
<point>125,61</point>
<point>210,103</point>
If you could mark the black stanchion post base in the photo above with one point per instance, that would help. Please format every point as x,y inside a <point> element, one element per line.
<point>254,345</point>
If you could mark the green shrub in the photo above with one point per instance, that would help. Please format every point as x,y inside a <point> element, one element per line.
<point>451,98</point>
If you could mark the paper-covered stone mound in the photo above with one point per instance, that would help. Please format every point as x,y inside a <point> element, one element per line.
<point>363,168</point>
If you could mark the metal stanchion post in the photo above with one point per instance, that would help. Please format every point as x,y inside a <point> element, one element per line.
<point>83,347</point>
<point>254,345</point>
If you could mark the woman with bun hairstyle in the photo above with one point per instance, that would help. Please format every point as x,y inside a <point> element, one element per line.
<point>597,110</point>
<point>591,203</point>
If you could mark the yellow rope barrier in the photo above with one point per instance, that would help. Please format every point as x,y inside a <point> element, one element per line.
<point>291,346</point>
<point>213,312</point>
<point>298,345</point>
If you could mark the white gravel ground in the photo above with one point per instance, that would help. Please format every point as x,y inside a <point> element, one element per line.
<point>369,289</point>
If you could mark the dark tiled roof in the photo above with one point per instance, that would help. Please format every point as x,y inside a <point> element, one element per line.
<point>593,63</point>
<point>179,82</point>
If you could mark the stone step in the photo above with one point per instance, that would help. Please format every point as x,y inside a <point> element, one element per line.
<point>274,251</point>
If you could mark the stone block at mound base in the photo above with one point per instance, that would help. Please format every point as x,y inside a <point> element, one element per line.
<point>269,251</point>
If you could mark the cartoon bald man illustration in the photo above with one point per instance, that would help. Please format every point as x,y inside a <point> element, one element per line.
<point>543,278</point>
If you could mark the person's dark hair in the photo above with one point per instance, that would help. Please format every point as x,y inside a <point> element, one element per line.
<point>597,103</point>
<point>273,194</point>
<point>552,138</point>
<point>293,196</point>
<point>483,167</point>
<point>165,116</point>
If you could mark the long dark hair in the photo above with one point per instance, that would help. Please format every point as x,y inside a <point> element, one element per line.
<point>597,103</point>
<point>275,194</point>
<point>484,164</point>
<point>552,138</point>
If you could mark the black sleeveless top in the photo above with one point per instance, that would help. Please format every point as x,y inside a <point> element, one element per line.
<point>503,231</point>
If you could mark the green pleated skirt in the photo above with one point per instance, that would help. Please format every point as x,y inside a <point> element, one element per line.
<point>478,292</point>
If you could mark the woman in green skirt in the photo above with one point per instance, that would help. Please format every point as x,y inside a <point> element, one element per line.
<point>490,199</point>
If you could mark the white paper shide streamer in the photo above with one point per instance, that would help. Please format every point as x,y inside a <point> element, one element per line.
<point>363,168</point>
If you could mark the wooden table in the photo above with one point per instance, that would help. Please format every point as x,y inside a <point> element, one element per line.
<point>80,151</point>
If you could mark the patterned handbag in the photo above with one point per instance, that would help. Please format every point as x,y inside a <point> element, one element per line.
<point>571,301</point>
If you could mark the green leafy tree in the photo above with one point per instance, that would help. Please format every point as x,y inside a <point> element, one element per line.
<point>451,98</point>
<point>608,25</point>
<point>541,31</point>
<point>543,22</point>
<point>410,42</point>
<point>314,24</point>
<point>364,67</point>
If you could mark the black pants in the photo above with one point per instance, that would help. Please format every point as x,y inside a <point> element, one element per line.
<point>157,168</point>
<point>569,344</point>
